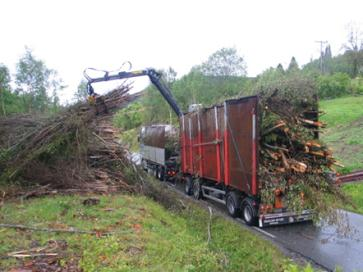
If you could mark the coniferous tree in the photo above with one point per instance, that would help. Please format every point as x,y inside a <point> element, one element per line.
<point>293,66</point>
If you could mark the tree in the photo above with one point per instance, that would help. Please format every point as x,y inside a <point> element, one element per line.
<point>327,54</point>
<point>354,48</point>
<point>129,117</point>
<point>4,85</point>
<point>34,79</point>
<point>170,76</point>
<point>224,62</point>
<point>327,59</point>
<point>156,108</point>
<point>330,86</point>
<point>293,66</point>
<point>280,68</point>
<point>81,93</point>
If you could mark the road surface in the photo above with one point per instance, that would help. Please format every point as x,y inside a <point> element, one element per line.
<point>321,245</point>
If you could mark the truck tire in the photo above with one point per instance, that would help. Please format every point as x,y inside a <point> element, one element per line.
<point>161,173</point>
<point>144,165</point>
<point>156,171</point>
<point>197,189</point>
<point>249,212</point>
<point>188,187</point>
<point>233,203</point>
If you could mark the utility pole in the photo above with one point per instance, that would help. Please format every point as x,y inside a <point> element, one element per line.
<point>321,54</point>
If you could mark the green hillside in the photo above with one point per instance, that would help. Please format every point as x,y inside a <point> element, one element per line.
<point>344,134</point>
<point>143,236</point>
<point>344,117</point>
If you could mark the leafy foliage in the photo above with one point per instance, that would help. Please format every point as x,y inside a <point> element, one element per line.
<point>34,80</point>
<point>129,117</point>
<point>354,48</point>
<point>224,62</point>
<point>335,85</point>
<point>293,66</point>
<point>81,93</point>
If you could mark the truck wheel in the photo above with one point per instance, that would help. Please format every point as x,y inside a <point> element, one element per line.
<point>161,173</point>
<point>249,212</point>
<point>188,188</point>
<point>144,165</point>
<point>156,171</point>
<point>233,202</point>
<point>197,189</point>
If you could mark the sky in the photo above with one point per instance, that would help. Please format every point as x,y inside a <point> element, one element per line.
<point>70,36</point>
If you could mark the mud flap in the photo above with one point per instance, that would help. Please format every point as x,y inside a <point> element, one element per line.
<point>272,219</point>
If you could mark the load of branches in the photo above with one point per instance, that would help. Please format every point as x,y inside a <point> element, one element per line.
<point>294,163</point>
<point>76,150</point>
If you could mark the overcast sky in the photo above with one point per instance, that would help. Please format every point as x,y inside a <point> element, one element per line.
<point>72,35</point>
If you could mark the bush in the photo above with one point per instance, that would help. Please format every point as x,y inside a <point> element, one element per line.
<point>336,85</point>
<point>128,118</point>
<point>357,85</point>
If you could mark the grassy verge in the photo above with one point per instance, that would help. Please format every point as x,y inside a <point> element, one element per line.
<point>146,237</point>
<point>342,111</point>
<point>355,191</point>
<point>344,134</point>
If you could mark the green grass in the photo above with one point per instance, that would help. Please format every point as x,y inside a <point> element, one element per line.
<point>147,237</point>
<point>355,191</point>
<point>344,117</point>
<point>342,111</point>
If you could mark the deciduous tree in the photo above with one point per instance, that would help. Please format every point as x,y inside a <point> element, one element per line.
<point>354,48</point>
<point>36,80</point>
<point>81,93</point>
<point>224,62</point>
<point>4,85</point>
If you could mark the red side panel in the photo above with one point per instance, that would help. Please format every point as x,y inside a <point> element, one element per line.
<point>208,145</point>
<point>218,141</point>
<point>242,144</point>
<point>220,144</point>
<point>183,146</point>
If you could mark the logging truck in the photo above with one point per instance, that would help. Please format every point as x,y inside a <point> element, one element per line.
<point>159,151</point>
<point>218,153</point>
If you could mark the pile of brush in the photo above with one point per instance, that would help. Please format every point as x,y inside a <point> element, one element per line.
<point>77,150</point>
<point>293,161</point>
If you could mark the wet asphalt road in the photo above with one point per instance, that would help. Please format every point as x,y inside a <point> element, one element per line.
<point>321,245</point>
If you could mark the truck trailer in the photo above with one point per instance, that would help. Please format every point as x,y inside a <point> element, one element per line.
<point>220,160</point>
<point>159,150</point>
<point>219,153</point>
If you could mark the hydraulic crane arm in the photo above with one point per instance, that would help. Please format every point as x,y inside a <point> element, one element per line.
<point>154,76</point>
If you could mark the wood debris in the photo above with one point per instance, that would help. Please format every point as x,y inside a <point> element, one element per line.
<point>78,149</point>
<point>292,158</point>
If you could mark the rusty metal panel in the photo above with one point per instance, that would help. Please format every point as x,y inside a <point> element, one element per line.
<point>194,141</point>
<point>241,125</point>
<point>182,141</point>
<point>208,143</point>
<point>187,145</point>
<point>221,127</point>
<point>221,145</point>
<point>153,136</point>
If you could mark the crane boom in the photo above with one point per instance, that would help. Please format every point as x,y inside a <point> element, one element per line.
<point>154,77</point>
